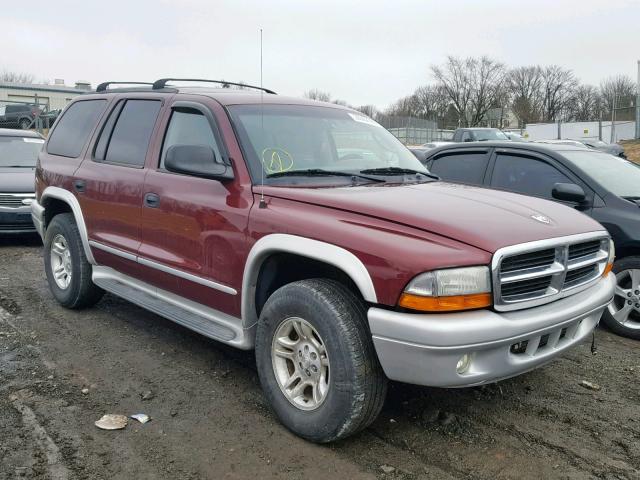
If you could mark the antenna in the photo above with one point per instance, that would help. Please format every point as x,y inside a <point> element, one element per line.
<point>262,204</point>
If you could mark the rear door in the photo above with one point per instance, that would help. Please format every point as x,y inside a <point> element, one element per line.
<point>110,181</point>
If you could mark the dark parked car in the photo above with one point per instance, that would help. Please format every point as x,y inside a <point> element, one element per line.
<point>18,155</point>
<point>17,115</point>
<point>605,187</point>
<point>478,135</point>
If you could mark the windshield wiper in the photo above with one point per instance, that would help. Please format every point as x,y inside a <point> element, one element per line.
<point>397,171</point>
<point>318,172</point>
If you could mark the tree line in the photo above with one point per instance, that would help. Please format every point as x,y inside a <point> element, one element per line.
<point>464,91</point>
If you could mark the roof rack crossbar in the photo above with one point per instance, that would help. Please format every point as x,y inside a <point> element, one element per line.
<point>103,86</point>
<point>159,84</point>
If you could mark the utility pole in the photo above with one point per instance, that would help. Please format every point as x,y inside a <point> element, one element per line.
<point>638,104</point>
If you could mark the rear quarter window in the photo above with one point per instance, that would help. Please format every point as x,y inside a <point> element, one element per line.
<point>73,130</point>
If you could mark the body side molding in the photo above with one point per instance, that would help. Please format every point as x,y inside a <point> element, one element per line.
<point>306,247</point>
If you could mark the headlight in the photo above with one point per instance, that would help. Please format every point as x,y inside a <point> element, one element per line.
<point>612,258</point>
<point>449,290</point>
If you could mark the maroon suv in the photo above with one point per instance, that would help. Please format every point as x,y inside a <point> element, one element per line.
<point>308,232</point>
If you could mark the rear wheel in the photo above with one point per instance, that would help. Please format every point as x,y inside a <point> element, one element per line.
<point>25,124</point>
<point>622,315</point>
<point>316,360</point>
<point>68,271</point>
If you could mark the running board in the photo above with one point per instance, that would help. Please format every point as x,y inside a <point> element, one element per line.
<point>195,316</point>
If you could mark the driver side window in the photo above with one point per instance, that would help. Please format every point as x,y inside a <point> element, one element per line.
<point>188,126</point>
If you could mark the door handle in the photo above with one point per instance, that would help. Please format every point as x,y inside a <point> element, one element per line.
<point>152,200</point>
<point>79,185</point>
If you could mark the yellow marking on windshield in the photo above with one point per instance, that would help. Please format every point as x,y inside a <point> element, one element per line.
<point>276,160</point>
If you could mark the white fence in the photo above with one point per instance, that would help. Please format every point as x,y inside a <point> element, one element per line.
<point>576,130</point>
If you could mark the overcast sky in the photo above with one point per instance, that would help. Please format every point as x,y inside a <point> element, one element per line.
<point>364,52</point>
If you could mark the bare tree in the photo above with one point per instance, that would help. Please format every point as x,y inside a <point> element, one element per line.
<point>622,88</point>
<point>318,95</point>
<point>525,87</point>
<point>15,77</point>
<point>585,104</point>
<point>473,85</point>
<point>431,101</point>
<point>369,110</point>
<point>558,85</point>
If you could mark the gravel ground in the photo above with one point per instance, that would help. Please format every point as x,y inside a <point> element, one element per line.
<point>210,420</point>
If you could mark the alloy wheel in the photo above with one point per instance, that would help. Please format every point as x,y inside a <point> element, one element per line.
<point>300,363</point>
<point>625,308</point>
<point>61,266</point>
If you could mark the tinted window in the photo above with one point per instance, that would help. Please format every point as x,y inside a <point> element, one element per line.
<point>73,129</point>
<point>189,127</point>
<point>461,167</point>
<point>526,175</point>
<point>131,134</point>
<point>617,175</point>
<point>466,136</point>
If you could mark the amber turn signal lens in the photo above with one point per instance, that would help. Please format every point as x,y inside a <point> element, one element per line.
<point>607,269</point>
<point>445,304</point>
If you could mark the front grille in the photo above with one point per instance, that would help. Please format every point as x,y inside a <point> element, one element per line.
<point>556,338</point>
<point>13,200</point>
<point>528,260</point>
<point>540,272</point>
<point>584,249</point>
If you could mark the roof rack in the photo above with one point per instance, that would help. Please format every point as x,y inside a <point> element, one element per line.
<point>103,86</point>
<point>159,84</point>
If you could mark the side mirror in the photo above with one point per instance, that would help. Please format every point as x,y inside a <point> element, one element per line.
<point>196,160</point>
<point>569,192</point>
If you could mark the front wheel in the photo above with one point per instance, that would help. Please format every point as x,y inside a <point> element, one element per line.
<point>316,360</point>
<point>622,316</point>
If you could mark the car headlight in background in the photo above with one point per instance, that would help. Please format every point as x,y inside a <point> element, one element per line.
<point>449,290</point>
<point>612,258</point>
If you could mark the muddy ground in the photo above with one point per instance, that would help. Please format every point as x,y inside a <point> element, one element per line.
<point>210,419</point>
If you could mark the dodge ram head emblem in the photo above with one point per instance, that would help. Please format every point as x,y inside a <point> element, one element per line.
<point>541,218</point>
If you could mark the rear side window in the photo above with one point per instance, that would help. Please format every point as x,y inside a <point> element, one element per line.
<point>125,138</point>
<point>462,167</point>
<point>72,132</point>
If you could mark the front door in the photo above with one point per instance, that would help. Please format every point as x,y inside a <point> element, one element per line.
<point>194,229</point>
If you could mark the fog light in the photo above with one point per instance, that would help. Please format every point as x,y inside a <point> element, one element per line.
<point>27,201</point>
<point>463,363</point>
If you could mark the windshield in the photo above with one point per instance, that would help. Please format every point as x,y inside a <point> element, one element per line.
<point>19,151</point>
<point>615,174</point>
<point>292,138</point>
<point>482,135</point>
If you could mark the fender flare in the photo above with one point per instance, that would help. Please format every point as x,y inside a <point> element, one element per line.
<point>67,197</point>
<point>306,247</point>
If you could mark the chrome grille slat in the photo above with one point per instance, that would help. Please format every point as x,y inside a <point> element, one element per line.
<point>540,272</point>
<point>14,200</point>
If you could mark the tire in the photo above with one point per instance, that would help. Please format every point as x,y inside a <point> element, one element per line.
<point>627,272</point>
<point>62,235</point>
<point>24,124</point>
<point>356,386</point>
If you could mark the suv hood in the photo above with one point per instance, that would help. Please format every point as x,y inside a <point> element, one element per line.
<point>17,180</point>
<point>480,217</point>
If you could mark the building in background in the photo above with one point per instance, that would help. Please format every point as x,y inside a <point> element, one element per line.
<point>47,97</point>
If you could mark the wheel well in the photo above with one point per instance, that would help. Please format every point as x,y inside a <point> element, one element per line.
<point>280,269</point>
<point>53,207</point>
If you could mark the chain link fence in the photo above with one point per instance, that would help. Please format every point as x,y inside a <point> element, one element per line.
<point>27,115</point>
<point>413,131</point>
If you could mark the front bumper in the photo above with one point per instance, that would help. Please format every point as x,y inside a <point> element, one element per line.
<point>424,349</point>
<point>16,220</point>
